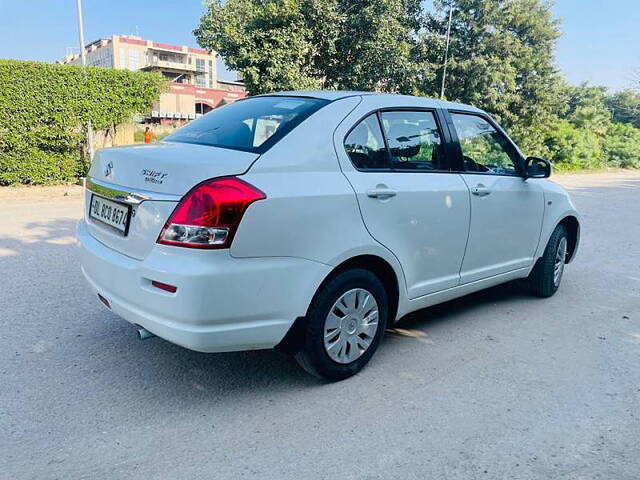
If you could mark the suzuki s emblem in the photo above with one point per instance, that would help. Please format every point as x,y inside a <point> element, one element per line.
<point>108,170</point>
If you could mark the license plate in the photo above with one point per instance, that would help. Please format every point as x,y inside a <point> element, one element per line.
<point>114,214</point>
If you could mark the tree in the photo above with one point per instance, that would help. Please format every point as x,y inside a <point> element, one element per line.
<point>298,44</point>
<point>376,47</point>
<point>625,107</point>
<point>267,41</point>
<point>586,108</point>
<point>622,146</point>
<point>501,60</point>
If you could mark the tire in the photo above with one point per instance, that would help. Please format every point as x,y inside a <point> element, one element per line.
<point>543,279</point>
<point>347,302</point>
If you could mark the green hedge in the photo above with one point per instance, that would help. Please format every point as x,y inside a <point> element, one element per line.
<point>579,148</point>
<point>44,110</point>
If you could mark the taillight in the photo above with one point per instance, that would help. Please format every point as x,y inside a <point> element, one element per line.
<point>208,216</point>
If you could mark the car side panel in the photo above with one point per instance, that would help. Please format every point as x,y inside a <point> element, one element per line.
<point>505,226</point>
<point>558,205</point>
<point>425,224</point>
<point>312,215</point>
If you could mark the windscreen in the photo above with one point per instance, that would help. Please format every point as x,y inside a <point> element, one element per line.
<point>252,125</point>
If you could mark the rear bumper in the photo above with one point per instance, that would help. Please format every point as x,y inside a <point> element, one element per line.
<point>222,303</point>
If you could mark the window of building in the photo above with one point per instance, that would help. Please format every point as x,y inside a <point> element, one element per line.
<point>200,73</point>
<point>107,59</point>
<point>123,58</point>
<point>134,59</point>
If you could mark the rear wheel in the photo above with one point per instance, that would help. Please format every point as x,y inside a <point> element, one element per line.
<point>345,323</point>
<point>546,276</point>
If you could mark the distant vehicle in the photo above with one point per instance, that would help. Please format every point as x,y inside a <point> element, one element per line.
<point>310,221</point>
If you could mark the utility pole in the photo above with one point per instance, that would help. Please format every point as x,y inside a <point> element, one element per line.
<point>446,51</point>
<point>83,57</point>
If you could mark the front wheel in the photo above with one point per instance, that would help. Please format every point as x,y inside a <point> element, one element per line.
<point>545,277</point>
<point>344,325</point>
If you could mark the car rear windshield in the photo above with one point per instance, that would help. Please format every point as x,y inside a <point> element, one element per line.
<point>251,125</point>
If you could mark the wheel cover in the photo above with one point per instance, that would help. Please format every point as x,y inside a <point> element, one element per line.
<point>351,326</point>
<point>558,265</point>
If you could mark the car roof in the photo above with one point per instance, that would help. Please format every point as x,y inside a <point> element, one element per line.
<point>321,94</point>
<point>412,100</point>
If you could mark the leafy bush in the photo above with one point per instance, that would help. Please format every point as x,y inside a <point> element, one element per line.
<point>572,148</point>
<point>622,146</point>
<point>46,107</point>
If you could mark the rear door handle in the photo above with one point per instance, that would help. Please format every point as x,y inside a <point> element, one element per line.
<point>381,193</point>
<point>480,190</point>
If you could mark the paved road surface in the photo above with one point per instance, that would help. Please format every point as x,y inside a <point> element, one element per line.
<point>492,386</point>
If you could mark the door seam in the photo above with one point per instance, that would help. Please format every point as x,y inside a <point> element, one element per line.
<point>466,245</point>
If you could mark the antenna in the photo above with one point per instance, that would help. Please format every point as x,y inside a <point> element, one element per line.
<point>83,57</point>
<point>446,51</point>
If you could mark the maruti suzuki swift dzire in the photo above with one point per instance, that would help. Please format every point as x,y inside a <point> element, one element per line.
<point>311,221</point>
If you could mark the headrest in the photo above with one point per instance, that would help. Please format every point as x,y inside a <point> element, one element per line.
<point>404,140</point>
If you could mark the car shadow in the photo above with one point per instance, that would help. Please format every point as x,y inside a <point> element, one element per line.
<point>443,312</point>
<point>160,365</point>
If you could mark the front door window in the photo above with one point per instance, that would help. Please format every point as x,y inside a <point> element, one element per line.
<point>484,149</point>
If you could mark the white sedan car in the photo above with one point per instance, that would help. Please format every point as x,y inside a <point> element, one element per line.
<point>311,221</point>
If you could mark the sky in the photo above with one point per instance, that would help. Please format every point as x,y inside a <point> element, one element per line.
<point>600,41</point>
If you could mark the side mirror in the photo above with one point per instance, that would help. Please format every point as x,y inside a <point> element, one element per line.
<point>536,167</point>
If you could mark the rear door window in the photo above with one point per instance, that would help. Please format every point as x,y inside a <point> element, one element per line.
<point>251,125</point>
<point>414,140</point>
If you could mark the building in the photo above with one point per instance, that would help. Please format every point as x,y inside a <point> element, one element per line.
<point>192,73</point>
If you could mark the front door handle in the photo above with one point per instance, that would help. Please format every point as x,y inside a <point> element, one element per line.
<point>480,190</point>
<point>381,193</point>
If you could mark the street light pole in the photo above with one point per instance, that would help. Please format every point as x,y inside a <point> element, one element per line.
<point>83,58</point>
<point>446,51</point>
